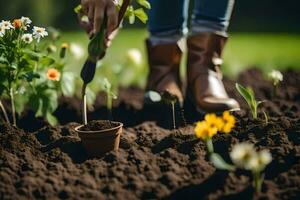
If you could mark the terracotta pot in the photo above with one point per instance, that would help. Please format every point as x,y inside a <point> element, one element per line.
<point>98,143</point>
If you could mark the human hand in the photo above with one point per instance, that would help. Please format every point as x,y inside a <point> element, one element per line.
<point>95,10</point>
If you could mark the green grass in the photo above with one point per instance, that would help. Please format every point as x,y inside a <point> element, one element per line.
<point>266,51</point>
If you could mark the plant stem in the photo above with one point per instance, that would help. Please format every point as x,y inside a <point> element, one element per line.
<point>109,105</point>
<point>210,146</point>
<point>84,107</point>
<point>4,112</point>
<point>257,182</point>
<point>13,108</point>
<point>173,115</point>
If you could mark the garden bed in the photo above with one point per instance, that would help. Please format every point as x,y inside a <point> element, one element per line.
<point>45,162</point>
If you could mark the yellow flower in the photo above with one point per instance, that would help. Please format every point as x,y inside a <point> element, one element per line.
<point>53,74</point>
<point>204,131</point>
<point>229,122</point>
<point>65,46</point>
<point>214,122</point>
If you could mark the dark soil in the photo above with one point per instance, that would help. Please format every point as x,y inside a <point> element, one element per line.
<point>99,125</point>
<point>153,162</point>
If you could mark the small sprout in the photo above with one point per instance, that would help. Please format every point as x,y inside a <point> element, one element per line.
<point>110,96</point>
<point>246,157</point>
<point>276,77</point>
<point>248,95</point>
<point>170,99</point>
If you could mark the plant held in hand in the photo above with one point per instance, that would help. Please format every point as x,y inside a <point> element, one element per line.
<point>249,96</point>
<point>97,47</point>
<point>110,96</point>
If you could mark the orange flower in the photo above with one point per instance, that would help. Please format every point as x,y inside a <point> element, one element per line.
<point>17,23</point>
<point>53,74</point>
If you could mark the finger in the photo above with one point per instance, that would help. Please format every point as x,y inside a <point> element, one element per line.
<point>112,18</point>
<point>98,18</point>
<point>91,13</point>
<point>84,24</point>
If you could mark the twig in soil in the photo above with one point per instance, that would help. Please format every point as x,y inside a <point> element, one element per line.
<point>4,112</point>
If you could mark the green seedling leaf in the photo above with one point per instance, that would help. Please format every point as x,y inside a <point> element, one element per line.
<point>51,119</point>
<point>141,15</point>
<point>244,93</point>
<point>144,3</point>
<point>219,162</point>
<point>78,9</point>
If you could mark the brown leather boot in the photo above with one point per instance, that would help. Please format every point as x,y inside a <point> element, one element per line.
<point>164,61</point>
<point>205,86</point>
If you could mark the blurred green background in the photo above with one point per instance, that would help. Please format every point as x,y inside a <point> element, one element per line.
<point>263,33</point>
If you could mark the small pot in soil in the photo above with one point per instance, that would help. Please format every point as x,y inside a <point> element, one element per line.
<point>100,136</point>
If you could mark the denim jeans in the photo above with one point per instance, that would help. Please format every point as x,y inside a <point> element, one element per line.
<point>168,18</point>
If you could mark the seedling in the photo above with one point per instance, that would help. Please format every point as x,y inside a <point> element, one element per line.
<point>276,77</point>
<point>171,100</point>
<point>249,96</point>
<point>110,96</point>
<point>208,128</point>
<point>246,157</point>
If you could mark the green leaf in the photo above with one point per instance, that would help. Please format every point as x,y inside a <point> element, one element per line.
<point>21,101</point>
<point>244,93</point>
<point>68,84</point>
<point>219,162</point>
<point>144,3</point>
<point>46,61</point>
<point>141,15</point>
<point>51,119</point>
<point>78,9</point>
<point>30,76</point>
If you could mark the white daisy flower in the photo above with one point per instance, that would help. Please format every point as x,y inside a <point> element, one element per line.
<point>26,21</point>
<point>242,153</point>
<point>2,31</point>
<point>276,76</point>
<point>77,51</point>
<point>39,32</point>
<point>6,25</point>
<point>27,38</point>
<point>260,161</point>
<point>134,56</point>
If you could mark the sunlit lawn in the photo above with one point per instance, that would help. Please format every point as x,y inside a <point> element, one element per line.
<point>265,51</point>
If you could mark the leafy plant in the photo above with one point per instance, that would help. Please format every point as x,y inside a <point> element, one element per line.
<point>29,74</point>
<point>110,96</point>
<point>20,60</point>
<point>249,96</point>
<point>208,128</point>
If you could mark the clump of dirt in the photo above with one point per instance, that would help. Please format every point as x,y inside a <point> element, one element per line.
<point>156,163</point>
<point>98,125</point>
